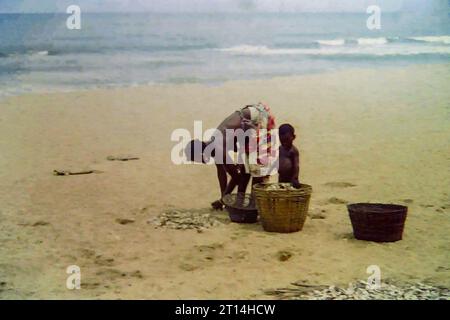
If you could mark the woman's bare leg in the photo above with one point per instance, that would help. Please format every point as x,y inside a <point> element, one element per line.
<point>223,179</point>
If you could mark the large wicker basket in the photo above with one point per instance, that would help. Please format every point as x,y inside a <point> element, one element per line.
<point>282,210</point>
<point>378,222</point>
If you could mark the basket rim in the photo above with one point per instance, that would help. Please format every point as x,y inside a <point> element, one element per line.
<point>363,207</point>
<point>229,200</point>
<point>261,187</point>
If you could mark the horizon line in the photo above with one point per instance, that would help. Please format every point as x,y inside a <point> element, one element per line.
<point>203,12</point>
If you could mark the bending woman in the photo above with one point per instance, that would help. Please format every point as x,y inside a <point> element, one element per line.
<point>254,117</point>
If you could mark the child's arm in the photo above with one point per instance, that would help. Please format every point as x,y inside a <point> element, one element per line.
<point>296,171</point>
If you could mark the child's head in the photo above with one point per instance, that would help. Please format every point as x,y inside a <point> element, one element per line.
<point>287,135</point>
<point>194,151</point>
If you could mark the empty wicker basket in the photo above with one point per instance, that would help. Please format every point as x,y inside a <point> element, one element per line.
<point>377,222</point>
<point>282,210</point>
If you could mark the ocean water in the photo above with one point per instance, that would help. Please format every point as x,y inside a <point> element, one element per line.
<point>39,54</point>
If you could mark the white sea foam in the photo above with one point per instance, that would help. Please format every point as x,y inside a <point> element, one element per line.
<point>336,42</point>
<point>390,50</point>
<point>371,41</point>
<point>247,49</point>
<point>433,39</point>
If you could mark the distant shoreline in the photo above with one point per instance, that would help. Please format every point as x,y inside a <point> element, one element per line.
<point>41,53</point>
<point>221,84</point>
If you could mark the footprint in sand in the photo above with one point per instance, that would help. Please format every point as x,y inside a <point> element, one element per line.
<point>334,200</point>
<point>202,254</point>
<point>340,184</point>
<point>35,224</point>
<point>90,285</point>
<point>208,252</point>
<point>112,274</point>
<point>40,224</point>
<point>98,259</point>
<point>239,255</point>
<point>345,236</point>
<point>317,213</point>
<point>3,286</point>
<point>124,221</point>
<point>136,274</point>
<point>188,267</point>
<point>442,269</point>
<point>87,253</point>
<point>283,255</point>
<point>103,261</point>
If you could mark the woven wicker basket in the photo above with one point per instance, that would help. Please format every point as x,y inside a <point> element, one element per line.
<point>378,222</point>
<point>282,211</point>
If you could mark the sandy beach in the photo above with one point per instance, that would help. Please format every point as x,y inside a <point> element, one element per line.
<point>365,135</point>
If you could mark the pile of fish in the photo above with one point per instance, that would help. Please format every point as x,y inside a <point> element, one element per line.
<point>279,186</point>
<point>185,219</point>
<point>360,291</point>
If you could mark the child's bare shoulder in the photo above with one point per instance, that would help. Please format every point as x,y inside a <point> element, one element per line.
<point>295,151</point>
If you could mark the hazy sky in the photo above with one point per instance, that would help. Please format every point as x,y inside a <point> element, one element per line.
<point>221,5</point>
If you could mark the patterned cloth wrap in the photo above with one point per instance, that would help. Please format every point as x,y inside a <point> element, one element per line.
<point>262,121</point>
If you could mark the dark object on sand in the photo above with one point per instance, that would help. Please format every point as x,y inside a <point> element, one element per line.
<point>125,221</point>
<point>72,173</point>
<point>240,210</point>
<point>282,207</point>
<point>121,158</point>
<point>217,205</point>
<point>377,222</point>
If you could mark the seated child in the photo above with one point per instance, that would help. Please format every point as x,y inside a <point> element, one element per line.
<point>289,157</point>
